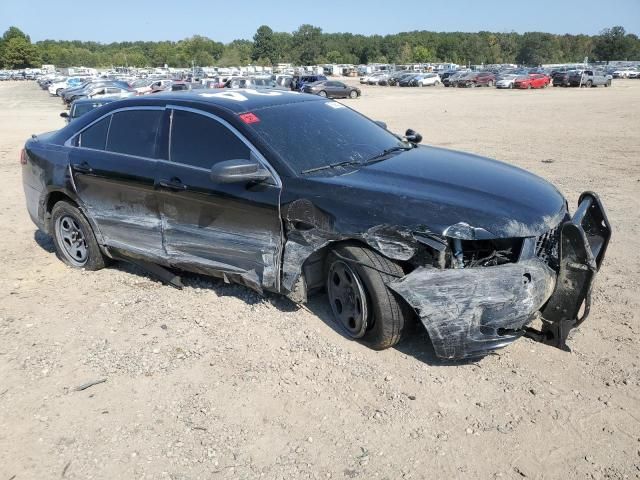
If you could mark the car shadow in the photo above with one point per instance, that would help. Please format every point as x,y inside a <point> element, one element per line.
<point>416,343</point>
<point>44,241</point>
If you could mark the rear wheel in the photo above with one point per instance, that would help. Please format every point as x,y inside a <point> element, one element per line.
<point>322,93</point>
<point>490,83</point>
<point>73,238</point>
<point>361,302</point>
<point>589,84</point>
<point>58,91</point>
<point>608,84</point>
<point>353,94</point>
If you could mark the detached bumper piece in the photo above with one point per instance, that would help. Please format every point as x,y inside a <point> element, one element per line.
<point>582,246</point>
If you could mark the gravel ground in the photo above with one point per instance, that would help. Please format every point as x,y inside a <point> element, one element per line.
<point>215,381</point>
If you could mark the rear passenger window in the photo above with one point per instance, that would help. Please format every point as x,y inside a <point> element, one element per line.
<point>134,132</point>
<point>96,135</point>
<point>202,141</point>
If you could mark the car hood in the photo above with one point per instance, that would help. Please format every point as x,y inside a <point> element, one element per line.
<point>451,193</point>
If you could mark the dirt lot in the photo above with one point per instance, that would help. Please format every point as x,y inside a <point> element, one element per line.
<point>215,381</point>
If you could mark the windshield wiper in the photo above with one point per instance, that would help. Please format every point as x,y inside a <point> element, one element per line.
<point>385,153</point>
<point>331,165</point>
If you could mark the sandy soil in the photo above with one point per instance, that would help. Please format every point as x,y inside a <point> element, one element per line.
<point>217,382</point>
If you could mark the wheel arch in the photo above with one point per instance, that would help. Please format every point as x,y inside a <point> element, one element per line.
<point>314,267</point>
<point>56,195</point>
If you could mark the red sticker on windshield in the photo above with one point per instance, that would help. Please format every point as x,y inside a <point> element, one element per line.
<point>249,118</point>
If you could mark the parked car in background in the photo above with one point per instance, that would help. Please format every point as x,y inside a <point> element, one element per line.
<point>624,72</point>
<point>427,80</point>
<point>332,89</point>
<point>302,80</point>
<point>477,79</point>
<point>506,81</point>
<point>113,92</point>
<point>589,78</point>
<point>144,87</point>
<point>534,80</point>
<point>452,79</point>
<point>58,87</point>
<point>84,105</point>
<point>408,80</point>
<point>83,90</point>
<point>395,78</point>
<point>561,78</point>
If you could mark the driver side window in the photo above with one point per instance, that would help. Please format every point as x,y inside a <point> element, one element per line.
<point>202,142</point>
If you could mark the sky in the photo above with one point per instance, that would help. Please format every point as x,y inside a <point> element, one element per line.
<point>120,20</point>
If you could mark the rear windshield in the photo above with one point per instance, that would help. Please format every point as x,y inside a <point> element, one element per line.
<point>309,135</point>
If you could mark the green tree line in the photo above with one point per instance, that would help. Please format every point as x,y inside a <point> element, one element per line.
<point>309,45</point>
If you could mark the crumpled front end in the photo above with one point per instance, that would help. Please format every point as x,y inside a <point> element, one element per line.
<point>481,304</point>
<point>469,312</point>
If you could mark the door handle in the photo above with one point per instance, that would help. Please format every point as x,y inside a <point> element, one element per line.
<point>83,167</point>
<point>174,184</point>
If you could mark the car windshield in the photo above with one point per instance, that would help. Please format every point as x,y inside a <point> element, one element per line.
<point>311,135</point>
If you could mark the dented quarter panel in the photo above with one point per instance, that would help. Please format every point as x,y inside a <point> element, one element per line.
<point>468,312</point>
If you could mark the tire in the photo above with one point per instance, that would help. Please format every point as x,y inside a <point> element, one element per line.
<point>58,92</point>
<point>589,84</point>
<point>365,308</point>
<point>322,93</point>
<point>73,237</point>
<point>608,84</point>
<point>529,87</point>
<point>437,84</point>
<point>353,94</point>
<point>489,84</point>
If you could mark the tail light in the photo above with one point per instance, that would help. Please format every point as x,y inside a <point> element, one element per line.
<point>23,157</point>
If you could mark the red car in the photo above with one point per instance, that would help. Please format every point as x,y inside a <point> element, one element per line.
<point>535,80</point>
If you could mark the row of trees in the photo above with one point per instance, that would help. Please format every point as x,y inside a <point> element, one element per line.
<point>308,45</point>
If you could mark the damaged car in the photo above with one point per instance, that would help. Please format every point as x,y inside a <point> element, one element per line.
<point>228,184</point>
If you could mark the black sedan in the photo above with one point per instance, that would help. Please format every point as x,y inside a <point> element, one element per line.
<point>296,194</point>
<point>332,89</point>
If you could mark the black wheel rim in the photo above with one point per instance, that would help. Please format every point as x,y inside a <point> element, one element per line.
<point>72,240</point>
<point>347,298</point>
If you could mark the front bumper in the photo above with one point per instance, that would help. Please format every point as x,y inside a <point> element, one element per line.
<point>470,312</point>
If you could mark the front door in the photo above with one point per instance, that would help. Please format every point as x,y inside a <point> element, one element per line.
<point>231,230</point>
<point>114,165</point>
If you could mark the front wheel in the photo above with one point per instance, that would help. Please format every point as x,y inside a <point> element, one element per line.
<point>353,94</point>
<point>322,93</point>
<point>360,300</point>
<point>75,243</point>
<point>489,84</point>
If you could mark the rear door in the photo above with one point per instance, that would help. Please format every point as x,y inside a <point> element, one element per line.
<point>231,229</point>
<point>114,164</point>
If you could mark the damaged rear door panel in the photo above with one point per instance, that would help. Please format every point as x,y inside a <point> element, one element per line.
<point>114,170</point>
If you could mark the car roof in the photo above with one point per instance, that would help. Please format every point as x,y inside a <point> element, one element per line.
<point>236,100</point>
<point>93,100</point>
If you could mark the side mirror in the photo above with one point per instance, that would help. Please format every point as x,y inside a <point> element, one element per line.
<point>239,171</point>
<point>64,115</point>
<point>382,124</point>
<point>412,136</point>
